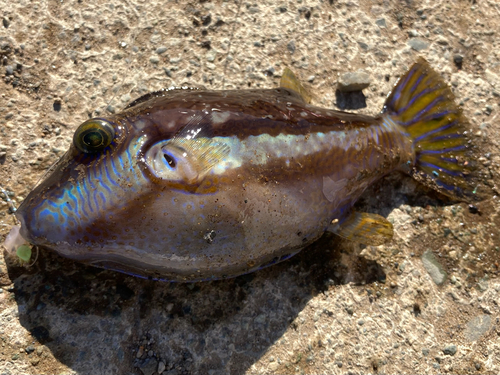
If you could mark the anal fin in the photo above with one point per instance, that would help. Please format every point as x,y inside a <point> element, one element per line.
<point>368,229</point>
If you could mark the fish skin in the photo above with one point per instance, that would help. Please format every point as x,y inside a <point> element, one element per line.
<point>286,171</point>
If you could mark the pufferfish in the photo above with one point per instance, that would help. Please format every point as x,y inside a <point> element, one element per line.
<point>192,185</point>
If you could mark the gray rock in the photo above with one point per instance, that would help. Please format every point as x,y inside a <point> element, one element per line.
<point>450,350</point>
<point>154,59</point>
<point>149,366</point>
<point>418,44</point>
<point>161,50</point>
<point>458,59</point>
<point>140,352</point>
<point>355,81</point>
<point>291,46</point>
<point>381,22</point>
<point>363,46</point>
<point>477,326</point>
<point>9,70</point>
<point>433,267</point>
<point>161,367</point>
<point>412,33</point>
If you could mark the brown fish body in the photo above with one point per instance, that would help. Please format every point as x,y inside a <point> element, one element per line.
<point>198,185</point>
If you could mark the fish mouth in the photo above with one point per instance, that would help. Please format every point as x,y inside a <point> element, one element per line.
<point>14,239</point>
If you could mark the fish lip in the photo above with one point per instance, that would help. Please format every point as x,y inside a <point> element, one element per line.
<point>20,216</point>
<point>24,230</point>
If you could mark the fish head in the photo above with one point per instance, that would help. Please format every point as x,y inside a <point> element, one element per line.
<point>118,196</point>
<point>81,189</point>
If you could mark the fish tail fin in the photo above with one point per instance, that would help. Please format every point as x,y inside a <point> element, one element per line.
<point>424,107</point>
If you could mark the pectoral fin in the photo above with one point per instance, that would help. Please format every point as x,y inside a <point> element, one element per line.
<point>368,229</point>
<point>291,82</point>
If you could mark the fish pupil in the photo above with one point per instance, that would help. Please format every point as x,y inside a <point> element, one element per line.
<point>93,139</point>
<point>170,160</point>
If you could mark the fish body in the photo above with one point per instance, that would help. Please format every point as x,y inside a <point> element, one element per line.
<point>190,185</point>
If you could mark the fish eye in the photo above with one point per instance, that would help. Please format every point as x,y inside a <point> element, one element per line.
<point>93,136</point>
<point>170,160</point>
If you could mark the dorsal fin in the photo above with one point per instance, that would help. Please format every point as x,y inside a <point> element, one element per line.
<point>290,81</point>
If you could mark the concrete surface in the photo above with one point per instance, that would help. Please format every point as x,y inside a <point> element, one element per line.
<point>334,308</point>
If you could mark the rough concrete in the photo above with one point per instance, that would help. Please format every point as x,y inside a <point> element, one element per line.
<point>334,308</point>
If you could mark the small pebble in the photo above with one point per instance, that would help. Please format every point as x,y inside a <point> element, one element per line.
<point>205,20</point>
<point>458,60</point>
<point>450,350</point>
<point>161,367</point>
<point>161,50</point>
<point>140,352</point>
<point>418,44</point>
<point>291,47</point>
<point>381,22</point>
<point>9,70</point>
<point>363,46</point>
<point>433,267</point>
<point>413,33</point>
<point>149,366</point>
